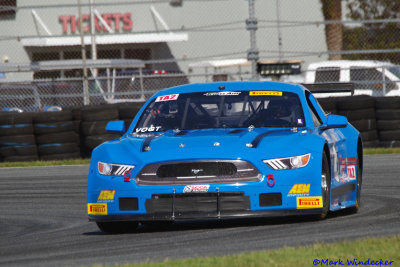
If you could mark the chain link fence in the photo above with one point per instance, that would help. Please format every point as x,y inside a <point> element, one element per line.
<point>179,42</point>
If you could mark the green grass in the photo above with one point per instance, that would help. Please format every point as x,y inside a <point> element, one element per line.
<point>381,150</point>
<point>387,248</point>
<point>367,151</point>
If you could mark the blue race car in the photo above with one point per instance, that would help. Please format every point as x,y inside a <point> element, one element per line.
<point>225,150</point>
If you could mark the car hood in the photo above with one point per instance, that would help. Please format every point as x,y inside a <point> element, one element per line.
<point>261,143</point>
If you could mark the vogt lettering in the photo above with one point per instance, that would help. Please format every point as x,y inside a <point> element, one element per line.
<point>148,129</point>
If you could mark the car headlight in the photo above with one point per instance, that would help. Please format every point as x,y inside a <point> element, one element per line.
<point>288,163</point>
<point>114,169</point>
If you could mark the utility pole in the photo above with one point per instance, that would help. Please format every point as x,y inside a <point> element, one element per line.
<point>93,36</point>
<point>252,53</point>
<point>278,17</point>
<point>86,100</point>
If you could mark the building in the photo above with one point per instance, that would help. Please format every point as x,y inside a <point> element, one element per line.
<point>170,35</point>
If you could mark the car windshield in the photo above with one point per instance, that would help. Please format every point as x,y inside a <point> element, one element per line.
<point>234,109</point>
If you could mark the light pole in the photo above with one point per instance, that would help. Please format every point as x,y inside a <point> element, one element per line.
<point>252,53</point>
<point>86,100</point>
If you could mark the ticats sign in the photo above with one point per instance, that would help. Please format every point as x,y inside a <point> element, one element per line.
<point>116,21</point>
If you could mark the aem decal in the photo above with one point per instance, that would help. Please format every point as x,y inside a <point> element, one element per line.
<point>196,188</point>
<point>97,208</point>
<point>106,195</point>
<point>167,98</point>
<point>309,202</point>
<point>255,93</point>
<point>299,190</point>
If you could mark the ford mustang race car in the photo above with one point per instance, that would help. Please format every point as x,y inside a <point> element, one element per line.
<point>225,150</point>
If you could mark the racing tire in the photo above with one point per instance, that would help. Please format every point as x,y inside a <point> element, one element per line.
<point>58,148</point>
<point>364,125</point>
<point>388,114</point>
<point>371,144</point>
<point>17,140</point>
<point>129,112</point>
<point>76,114</point>
<point>93,127</point>
<point>359,184</point>
<point>93,141</point>
<point>21,158</point>
<point>53,127</point>
<point>100,115</point>
<point>16,129</point>
<point>64,137</point>
<point>127,123</point>
<point>356,103</point>
<point>55,116</point>
<point>15,118</point>
<point>387,102</point>
<point>383,125</point>
<point>62,156</point>
<point>389,135</point>
<point>394,143</point>
<point>76,126</point>
<point>117,227</point>
<point>328,104</point>
<point>361,114</point>
<point>18,151</point>
<point>325,186</point>
<point>369,135</point>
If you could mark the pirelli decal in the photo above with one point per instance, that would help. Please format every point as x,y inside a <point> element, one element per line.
<point>97,208</point>
<point>255,93</point>
<point>309,202</point>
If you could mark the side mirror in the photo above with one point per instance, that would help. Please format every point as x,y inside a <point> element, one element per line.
<point>334,121</point>
<point>115,127</point>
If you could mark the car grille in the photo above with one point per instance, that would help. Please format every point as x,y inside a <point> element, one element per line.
<point>198,172</point>
<point>197,202</point>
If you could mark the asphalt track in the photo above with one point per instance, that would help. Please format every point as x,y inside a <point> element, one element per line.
<point>43,222</point>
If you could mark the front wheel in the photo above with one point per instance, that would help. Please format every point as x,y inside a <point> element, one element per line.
<point>117,227</point>
<point>325,186</point>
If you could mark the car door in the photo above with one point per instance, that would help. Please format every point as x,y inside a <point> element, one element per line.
<point>335,139</point>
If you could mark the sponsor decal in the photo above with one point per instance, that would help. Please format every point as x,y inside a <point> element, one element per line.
<point>222,93</point>
<point>351,172</point>
<point>352,161</point>
<point>201,188</point>
<point>97,208</point>
<point>254,93</point>
<point>106,196</point>
<point>309,202</point>
<point>300,121</point>
<point>148,129</point>
<point>299,190</point>
<point>167,98</point>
